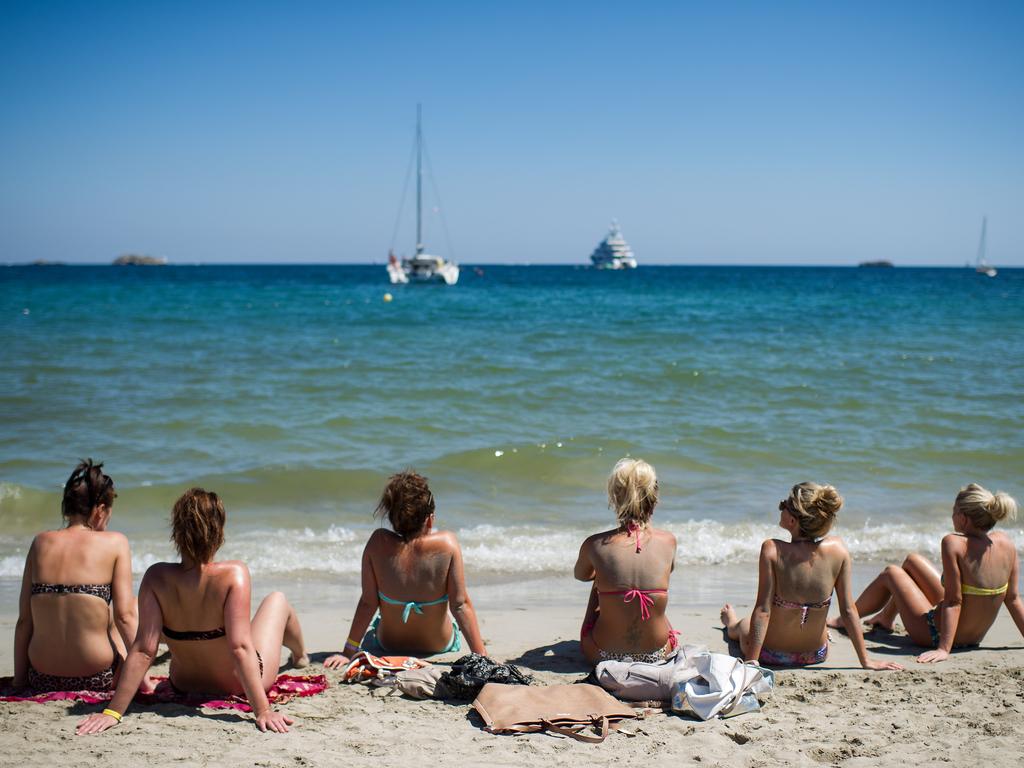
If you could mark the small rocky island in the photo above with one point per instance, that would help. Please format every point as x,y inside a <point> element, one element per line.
<point>876,264</point>
<point>136,260</point>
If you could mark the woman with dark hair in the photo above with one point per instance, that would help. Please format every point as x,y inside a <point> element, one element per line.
<point>77,613</point>
<point>413,575</point>
<point>201,608</point>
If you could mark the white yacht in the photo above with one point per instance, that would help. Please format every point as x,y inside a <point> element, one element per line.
<point>982,266</point>
<point>423,267</point>
<point>613,252</point>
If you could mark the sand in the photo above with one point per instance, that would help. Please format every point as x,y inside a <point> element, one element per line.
<point>968,710</point>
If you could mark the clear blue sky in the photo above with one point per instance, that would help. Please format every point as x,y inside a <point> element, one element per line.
<point>784,133</point>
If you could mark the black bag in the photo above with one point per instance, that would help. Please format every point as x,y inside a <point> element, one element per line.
<point>471,673</point>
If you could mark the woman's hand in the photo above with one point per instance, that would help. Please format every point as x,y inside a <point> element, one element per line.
<point>95,723</point>
<point>337,661</point>
<point>879,666</point>
<point>148,684</point>
<point>269,720</point>
<point>933,657</point>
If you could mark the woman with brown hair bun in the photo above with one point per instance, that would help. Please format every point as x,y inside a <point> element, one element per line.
<point>412,575</point>
<point>630,566</point>
<point>201,608</point>
<point>979,574</point>
<point>796,579</point>
<point>77,613</point>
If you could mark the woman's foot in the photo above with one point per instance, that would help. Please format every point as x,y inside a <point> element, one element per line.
<point>727,615</point>
<point>299,662</point>
<point>836,622</point>
<point>879,623</point>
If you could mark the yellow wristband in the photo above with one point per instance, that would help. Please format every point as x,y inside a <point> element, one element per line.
<point>114,714</point>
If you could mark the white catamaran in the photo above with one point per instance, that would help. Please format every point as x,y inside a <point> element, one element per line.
<point>981,265</point>
<point>423,267</point>
<point>613,252</point>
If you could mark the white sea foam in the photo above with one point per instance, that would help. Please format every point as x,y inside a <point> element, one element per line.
<point>507,551</point>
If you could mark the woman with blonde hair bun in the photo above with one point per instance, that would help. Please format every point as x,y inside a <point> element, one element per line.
<point>796,579</point>
<point>979,574</point>
<point>630,566</point>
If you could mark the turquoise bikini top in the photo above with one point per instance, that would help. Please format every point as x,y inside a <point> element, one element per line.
<point>411,605</point>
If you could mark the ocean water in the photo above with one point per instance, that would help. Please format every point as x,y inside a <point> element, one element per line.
<point>294,391</point>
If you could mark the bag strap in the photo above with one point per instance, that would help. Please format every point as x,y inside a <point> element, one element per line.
<point>576,732</point>
<point>748,683</point>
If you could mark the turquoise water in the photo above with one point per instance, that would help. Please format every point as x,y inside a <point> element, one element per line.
<point>295,390</point>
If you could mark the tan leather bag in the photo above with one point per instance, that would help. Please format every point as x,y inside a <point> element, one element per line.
<point>563,709</point>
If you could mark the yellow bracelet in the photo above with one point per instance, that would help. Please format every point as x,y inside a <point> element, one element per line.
<point>114,714</point>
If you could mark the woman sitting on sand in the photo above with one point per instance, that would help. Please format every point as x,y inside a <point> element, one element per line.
<point>796,579</point>
<point>630,566</point>
<point>413,576</point>
<point>65,638</point>
<point>201,608</point>
<point>979,573</point>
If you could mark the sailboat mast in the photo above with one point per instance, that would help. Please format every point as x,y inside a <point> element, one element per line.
<point>981,243</point>
<point>419,184</point>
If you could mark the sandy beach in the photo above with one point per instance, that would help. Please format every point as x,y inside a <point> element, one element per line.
<point>969,709</point>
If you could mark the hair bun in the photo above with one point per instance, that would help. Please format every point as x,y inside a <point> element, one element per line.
<point>1002,506</point>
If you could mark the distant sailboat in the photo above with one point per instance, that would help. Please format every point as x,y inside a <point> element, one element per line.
<point>981,265</point>
<point>421,268</point>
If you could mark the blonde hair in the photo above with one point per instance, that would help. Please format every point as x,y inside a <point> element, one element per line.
<point>633,491</point>
<point>815,508</point>
<point>984,508</point>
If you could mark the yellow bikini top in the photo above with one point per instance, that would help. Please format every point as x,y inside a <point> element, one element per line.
<point>967,589</point>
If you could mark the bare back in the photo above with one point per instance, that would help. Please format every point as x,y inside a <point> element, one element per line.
<point>418,570</point>
<point>193,600</point>
<point>804,573</point>
<point>984,562</point>
<point>619,571</point>
<point>73,634</point>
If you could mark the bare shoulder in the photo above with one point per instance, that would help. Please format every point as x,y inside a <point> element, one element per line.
<point>770,549</point>
<point>1003,540</point>
<point>380,539</point>
<point>442,541</point>
<point>954,542</point>
<point>833,546</point>
<point>113,539</point>
<point>666,536</point>
<point>233,571</point>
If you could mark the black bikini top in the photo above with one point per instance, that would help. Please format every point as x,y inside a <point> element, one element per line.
<point>101,591</point>
<point>208,634</point>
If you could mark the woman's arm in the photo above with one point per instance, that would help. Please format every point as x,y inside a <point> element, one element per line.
<point>851,617</point>
<point>139,660</point>
<point>951,601</point>
<point>238,630</point>
<point>365,608</point>
<point>460,604</point>
<point>23,629</point>
<point>762,612</point>
<point>1012,599</point>
<point>126,612</point>
<point>584,569</point>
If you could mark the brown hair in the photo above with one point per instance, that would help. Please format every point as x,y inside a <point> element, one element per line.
<point>197,525</point>
<point>984,508</point>
<point>86,488</point>
<point>633,492</point>
<point>814,506</point>
<point>406,502</point>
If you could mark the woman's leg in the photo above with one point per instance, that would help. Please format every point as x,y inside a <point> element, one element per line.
<point>928,581</point>
<point>736,628</point>
<point>276,624</point>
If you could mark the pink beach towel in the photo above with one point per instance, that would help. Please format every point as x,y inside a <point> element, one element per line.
<point>285,688</point>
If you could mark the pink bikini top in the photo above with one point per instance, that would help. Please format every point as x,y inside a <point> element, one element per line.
<point>643,595</point>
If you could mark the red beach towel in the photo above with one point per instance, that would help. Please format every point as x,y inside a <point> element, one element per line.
<point>285,688</point>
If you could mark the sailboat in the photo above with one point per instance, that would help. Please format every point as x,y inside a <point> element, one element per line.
<point>981,266</point>
<point>423,267</point>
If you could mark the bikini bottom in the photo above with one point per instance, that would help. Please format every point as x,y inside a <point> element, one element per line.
<point>371,641</point>
<point>933,630</point>
<point>180,692</point>
<point>101,681</point>
<point>771,658</point>
<point>666,652</point>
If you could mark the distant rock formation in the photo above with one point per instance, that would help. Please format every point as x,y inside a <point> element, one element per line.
<point>136,260</point>
<point>875,264</point>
